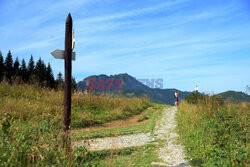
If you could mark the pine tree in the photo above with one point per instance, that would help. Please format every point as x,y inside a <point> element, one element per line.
<point>16,67</point>
<point>23,71</point>
<point>50,77</point>
<point>38,69</point>
<point>1,66</point>
<point>31,66</point>
<point>59,81</point>
<point>59,77</point>
<point>9,66</point>
<point>40,72</point>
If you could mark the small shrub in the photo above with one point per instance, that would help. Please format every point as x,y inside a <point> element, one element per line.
<point>195,97</point>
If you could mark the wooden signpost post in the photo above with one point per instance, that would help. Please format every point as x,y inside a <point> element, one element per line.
<point>67,72</point>
<point>68,56</point>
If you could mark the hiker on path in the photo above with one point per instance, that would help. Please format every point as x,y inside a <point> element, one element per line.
<point>176,97</point>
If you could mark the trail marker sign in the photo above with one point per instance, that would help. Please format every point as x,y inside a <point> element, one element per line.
<point>59,54</point>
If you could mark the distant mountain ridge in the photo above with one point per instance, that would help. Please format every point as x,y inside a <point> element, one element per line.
<point>133,88</point>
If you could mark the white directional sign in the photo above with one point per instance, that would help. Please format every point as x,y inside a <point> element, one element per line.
<point>59,54</point>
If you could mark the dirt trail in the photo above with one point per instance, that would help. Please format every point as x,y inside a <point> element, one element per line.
<point>118,123</point>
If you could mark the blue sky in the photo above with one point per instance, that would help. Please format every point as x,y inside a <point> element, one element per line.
<point>184,42</point>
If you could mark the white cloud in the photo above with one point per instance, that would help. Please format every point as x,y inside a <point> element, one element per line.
<point>140,11</point>
<point>38,44</point>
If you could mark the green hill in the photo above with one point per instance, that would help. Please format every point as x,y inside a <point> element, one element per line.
<point>235,96</point>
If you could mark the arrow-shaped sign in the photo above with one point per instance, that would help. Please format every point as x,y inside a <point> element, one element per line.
<point>59,54</point>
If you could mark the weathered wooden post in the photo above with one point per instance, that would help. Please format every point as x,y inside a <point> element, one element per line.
<point>67,72</point>
<point>68,56</point>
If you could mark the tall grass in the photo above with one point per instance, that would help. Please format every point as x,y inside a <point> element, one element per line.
<point>31,123</point>
<point>100,109</point>
<point>215,133</point>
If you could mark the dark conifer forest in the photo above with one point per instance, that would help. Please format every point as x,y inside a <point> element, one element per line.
<point>20,72</point>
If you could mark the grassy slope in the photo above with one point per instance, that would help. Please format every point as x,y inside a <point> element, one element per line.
<point>215,135</point>
<point>28,104</point>
<point>31,122</point>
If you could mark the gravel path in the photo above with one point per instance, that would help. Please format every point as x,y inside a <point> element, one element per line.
<point>171,153</point>
<point>110,143</point>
